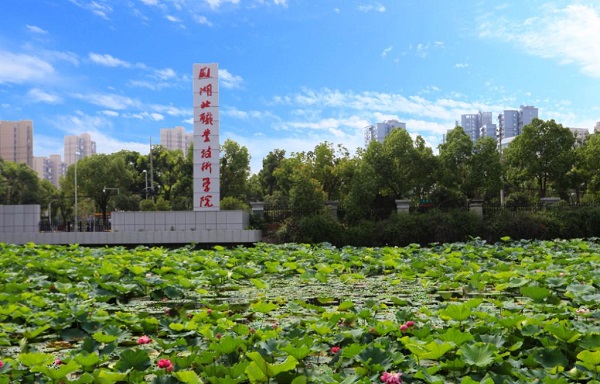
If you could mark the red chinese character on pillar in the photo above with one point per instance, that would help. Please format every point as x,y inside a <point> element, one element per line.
<point>206,153</point>
<point>205,104</point>
<point>205,201</point>
<point>206,166</point>
<point>205,134</point>
<point>206,118</point>
<point>206,184</point>
<point>207,89</point>
<point>204,73</point>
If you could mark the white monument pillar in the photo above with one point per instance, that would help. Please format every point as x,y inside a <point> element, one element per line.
<point>207,194</point>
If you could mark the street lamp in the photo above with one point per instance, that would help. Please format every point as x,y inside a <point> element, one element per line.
<point>146,172</point>
<point>50,213</point>
<point>77,154</point>
<point>107,189</point>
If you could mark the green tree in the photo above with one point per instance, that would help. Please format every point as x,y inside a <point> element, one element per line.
<point>20,184</point>
<point>485,177</point>
<point>235,170</point>
<point>455,162</point>
<point>425,166</point>
<point>394,163</point>
<point>98,176</point>
<point>266,175</point>
<point>589,156</point>
<point>543,152</point>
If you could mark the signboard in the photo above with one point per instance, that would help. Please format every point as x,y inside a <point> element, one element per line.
<point>206,137</point>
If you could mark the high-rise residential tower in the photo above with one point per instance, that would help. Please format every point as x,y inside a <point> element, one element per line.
<point>78,147</point>
<point>511,122</point>
<point>380,131</point>
<point>50,168</point>
<point>16,141</point>
<point>176,138</point>
<point>478,125</point>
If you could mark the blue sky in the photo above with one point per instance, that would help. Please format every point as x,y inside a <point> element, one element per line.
<point>293,73</point>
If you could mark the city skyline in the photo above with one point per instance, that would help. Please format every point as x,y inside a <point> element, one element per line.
<point>292,74</point>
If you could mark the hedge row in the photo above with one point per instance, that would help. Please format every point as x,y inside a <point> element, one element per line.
<point>443,227</point>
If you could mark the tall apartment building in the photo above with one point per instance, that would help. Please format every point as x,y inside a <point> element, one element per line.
<point>380,131</point>
<point>78,147</point>
<point>16,141</point>
<point>478,125</point>
<point>511,122</point>
<point>597,127</point>
<point>50,168</point>
<point>176,138</point>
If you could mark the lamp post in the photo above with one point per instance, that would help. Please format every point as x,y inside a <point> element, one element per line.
<point>77,154</point>
<point>50,212</point>
<point>146,189</point>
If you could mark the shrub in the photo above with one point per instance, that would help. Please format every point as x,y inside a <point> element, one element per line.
<point>231,203</point>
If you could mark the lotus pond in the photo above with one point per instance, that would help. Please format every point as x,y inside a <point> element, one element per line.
<point>511,312</point>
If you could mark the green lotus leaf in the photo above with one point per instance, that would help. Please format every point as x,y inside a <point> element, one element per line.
<point>87,360</point>
<point>562,332</point>
<point>261,370</point>
<point>35,359</point>
<point>263,307</point>
<point>188,377</point>
<point>105,376</point>
<point>480,355</point>
<point>455,336</point>
<point>57,373</point>
<point>535,292</point>
<point>458,312</point>
<point>550,358</point>
<point>228,344</point>
<point>133,359</point>
<point>590,357</point>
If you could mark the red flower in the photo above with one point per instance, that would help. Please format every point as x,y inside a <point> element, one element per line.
<point>391,378</point>
<point>166,364</point>
<point>144,340</point>
<point>219,335</point>
<point>403,327</point>
<point>335,349</point>
<point>208,310</point>
<point>1,363</point>
<point>410,324</point>
<point>58,362</point>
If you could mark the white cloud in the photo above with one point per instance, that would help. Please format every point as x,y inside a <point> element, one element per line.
<point>108,60</point>
<point>203,20</point>
<point>217,3</point>
<point>229,80</point>
<point>165,74</point>
<point>39,96</point>
<point>375,7</point>
<point>150,2</point>
<point>386,51</point>
<point>35,29</point>
<point>173,19</point>
<point>20,68</point>
<point>110,101</point>
<point>461,65</point>
<point>110,113</point>
<point>98,7</point>
<point>568,35</point>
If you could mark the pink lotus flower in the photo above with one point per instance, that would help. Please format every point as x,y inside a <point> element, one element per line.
<point>403,327</point>
<point>410,324</point>
<point>166,364</point>
<point>208,310</point>
<point>335,349</point>
<point>1,363</point>
<point>58,362</point>
<point>144,340</point>
<point>391,378</point>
